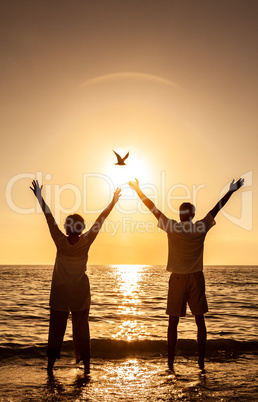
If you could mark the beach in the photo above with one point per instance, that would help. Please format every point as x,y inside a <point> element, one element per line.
<point>128,328</point>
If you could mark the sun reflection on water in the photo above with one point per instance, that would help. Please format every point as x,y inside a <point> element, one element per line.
<point>128,283</point>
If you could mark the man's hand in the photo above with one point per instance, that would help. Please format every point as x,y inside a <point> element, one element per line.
<point>134,184</point>
<point>234,186</point>
<point>36,188</point>
<point>117,195</point>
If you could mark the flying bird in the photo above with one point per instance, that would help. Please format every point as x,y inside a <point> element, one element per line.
<point>121,161</point>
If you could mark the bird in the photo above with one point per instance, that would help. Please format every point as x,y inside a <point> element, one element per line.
<point>121,161</point>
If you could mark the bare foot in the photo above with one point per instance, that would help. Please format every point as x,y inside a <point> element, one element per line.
<point>50,365</point>
<point>171,364</point>
<point>86,367</point>
<point>201,364</point>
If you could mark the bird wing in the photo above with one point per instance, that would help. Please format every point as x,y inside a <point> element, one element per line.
<point>119,159</point>
<point>126,156</point>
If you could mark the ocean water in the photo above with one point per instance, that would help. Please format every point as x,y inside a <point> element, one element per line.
<point>128,328</point>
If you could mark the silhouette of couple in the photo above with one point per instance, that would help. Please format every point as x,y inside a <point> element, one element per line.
<point>70,289</point>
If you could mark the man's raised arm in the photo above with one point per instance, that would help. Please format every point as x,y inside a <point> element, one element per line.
<point>234,186</point>
<point>149,204</point>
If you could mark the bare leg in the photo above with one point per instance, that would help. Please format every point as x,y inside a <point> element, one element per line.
<point>50,365</point>
<point>172,339</point>
<point>201,338</point>
<point>86,366</point>
<point>81,338</point>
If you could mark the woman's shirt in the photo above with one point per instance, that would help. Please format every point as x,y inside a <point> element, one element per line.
<point>70,289</point>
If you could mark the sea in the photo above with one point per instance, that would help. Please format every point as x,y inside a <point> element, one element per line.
<point>128,327</point>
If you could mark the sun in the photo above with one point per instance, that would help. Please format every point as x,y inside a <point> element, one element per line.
<point>136,167</point>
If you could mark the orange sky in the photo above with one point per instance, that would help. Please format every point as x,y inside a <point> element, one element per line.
<point>172,82</point>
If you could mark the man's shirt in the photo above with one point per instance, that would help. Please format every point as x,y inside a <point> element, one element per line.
<point>185,243</point>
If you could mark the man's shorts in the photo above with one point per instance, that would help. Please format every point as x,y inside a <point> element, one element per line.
<point>186,288</point>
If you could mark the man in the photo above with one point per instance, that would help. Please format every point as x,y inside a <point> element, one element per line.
<point>185,262</point>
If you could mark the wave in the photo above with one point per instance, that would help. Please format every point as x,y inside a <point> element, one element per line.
<point>110,348</point>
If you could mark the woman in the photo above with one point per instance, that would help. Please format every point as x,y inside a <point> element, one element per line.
<point>70,289</point>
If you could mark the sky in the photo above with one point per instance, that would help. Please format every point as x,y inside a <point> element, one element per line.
<point>172,82</point>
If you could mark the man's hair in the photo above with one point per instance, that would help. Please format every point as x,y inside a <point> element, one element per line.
<point>186,211</point>
<point>74,224</point>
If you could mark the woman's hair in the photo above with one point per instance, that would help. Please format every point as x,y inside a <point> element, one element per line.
<point>74,224</point>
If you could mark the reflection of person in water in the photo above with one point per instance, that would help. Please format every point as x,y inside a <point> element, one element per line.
<point>70,290</point>
<point>185,261</point>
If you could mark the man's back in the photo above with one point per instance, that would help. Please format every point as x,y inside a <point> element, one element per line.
<point>185,243</point>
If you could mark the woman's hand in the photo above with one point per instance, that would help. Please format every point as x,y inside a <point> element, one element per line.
<point>117,195</point>
<point>234,186</point>
<point>36,188</point>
